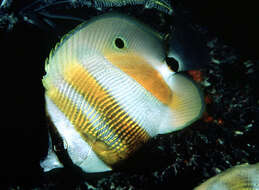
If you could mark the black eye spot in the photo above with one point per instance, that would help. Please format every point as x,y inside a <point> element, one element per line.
<point>119,43</point>
<point>172,63</point>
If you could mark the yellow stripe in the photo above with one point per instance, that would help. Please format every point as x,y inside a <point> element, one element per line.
<point>107,123</point>
<point>71,75</point>
<point>62,102</point>
<point>133,135</point>
<point>118,123</point>
<point>118,127</point>
<point>131,129</point>
<point>80,121</point>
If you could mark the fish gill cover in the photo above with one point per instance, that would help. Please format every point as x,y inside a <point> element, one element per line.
<point>227,135</point>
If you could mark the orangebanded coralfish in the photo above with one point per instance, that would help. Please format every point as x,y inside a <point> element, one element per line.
<point>241,177</point>
<point>109,90</point>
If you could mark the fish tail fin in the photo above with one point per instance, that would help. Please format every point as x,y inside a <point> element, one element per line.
<point>187,104</point>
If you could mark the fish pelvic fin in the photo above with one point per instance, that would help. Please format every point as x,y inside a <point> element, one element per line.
<point>51,161</point>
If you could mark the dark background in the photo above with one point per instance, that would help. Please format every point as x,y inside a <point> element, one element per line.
<point>236,22</point>
<point>23,129</point>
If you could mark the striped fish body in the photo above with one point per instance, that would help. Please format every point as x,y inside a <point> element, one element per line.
<point>108,91</point>
<point>241,177</point>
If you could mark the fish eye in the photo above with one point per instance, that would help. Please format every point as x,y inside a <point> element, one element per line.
<point>119,43</point>
<point>172,63</point>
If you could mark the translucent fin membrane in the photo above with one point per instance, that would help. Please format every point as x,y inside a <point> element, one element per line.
<point>116,3</point>
<point>186,106</point>
<point>39,13</point>
<point>51,161</point>
<point>161,5</point>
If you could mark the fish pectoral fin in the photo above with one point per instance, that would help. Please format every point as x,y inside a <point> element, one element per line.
<point>187,103</point>
<point>51,161</point>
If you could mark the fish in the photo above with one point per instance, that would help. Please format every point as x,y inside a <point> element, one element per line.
<point>161,5</point>
<point>109,90</point>
<point>240,177</point>
<point>43,14</point>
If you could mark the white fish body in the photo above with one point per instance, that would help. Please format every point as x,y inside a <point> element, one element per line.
<point>109,90</point>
